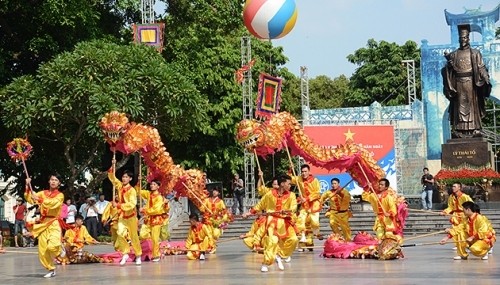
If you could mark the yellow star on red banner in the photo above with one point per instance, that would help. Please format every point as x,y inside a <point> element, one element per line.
<point>349,135</point>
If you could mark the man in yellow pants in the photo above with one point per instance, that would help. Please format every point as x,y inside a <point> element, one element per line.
<point>155,216</point>
<point>47,230</point>
<point>339,212</point>
<point>127,216</point>
<point>308,218</point>
<point>199,238</point>
<point>479,236</point>
<point>280,239</point>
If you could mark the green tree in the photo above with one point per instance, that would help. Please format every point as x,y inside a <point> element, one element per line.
<point>380,75</point>
<point>33,32</point>
<point>59,108</point>
<point>326,93</point>
<point>205,38</point>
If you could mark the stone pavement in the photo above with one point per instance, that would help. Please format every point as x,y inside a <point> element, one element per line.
<point>234,264</point>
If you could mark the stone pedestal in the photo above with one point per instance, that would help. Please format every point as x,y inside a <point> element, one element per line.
<point>476,152</point>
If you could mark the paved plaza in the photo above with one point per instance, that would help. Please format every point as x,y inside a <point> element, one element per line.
<point>234,264</point>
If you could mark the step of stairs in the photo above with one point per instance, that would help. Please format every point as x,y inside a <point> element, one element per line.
<point>417,223</point>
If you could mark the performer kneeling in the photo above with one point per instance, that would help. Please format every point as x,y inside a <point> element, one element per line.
<point>199,238</point>
<point>74,240</point>
<point>478,234</point>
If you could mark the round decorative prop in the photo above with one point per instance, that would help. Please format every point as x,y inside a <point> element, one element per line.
<point>269,19</point>
<point>19,149</point>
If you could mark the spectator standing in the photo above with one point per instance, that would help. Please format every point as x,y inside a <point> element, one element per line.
<point>238,188</point>
<point>427,182</point>
<point>101,206</point>
<point>70,218</point>
<point>19,212</point>
<point>91,217</point>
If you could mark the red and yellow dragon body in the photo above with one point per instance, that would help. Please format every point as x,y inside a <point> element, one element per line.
<point>128,138</point>
<point>283,130</point>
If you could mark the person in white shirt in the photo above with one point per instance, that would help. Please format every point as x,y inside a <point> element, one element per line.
<point>91,217</point>
<point>70,219</point>
<point>101,205</point>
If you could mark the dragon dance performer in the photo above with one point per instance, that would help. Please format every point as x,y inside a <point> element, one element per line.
<point>455,201</point>
<point>339,212</point>
<point>479,235</point>
<point>156,211</point>
<point>127,216</point>
<point>253,238</point>
<point>385,208</point>
<point>74,240</point>
<point>110,216</point>
<point>47,229</point>
<point>280,239</point>
<point>308,218</point>
<point>199,238</point>
<point>215,216</point>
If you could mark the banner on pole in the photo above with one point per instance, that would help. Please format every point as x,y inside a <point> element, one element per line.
<point>268,97</point>
<point>149,34</point>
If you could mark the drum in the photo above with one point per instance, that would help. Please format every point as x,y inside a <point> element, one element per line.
<point>389,249</point>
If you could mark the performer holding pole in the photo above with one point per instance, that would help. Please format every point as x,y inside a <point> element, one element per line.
<point>199,238</point>
<point>308,220</point>
<point>155,216</point>
<point>384,206</point>
<point>339,212</point>
<point>280,239</point>
<point>127,217</point>
<point>48,230</point>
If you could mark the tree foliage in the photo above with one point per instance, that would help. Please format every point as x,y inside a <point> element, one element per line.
<point>205,38</point>
<point>33,32</point>
<point>380,75</point>
<point>59,108</point>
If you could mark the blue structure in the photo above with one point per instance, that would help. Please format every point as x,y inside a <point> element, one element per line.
<point>432,60</point>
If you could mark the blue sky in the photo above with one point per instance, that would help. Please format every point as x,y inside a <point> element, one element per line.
<point>328,30</point>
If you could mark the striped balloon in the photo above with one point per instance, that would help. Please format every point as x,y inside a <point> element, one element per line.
<point>270,19</point>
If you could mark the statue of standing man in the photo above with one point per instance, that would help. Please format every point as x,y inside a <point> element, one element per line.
<point>467,85</point>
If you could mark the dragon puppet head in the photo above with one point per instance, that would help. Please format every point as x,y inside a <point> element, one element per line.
<point>114,125</point>
<point>256,135</point>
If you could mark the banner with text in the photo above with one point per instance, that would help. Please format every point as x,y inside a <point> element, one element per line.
<point>378,139</point>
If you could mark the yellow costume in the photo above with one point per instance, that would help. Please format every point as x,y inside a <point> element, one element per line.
<point>215,216</point>
<point>110,216</point>
<point>78,236</point>
<point>339,212</point>
<point>455,207</point>
<point>308,217</point>
<point>384,203</point>
<point>47,229</point>
<point>479,227</point>
<point>262,190</point>
<point>253,238</point>
<point>198,240</point>
<point>127,217</point>
<point>280,233</point>
<point>164,232</point>
<point>154,220</point>
<point>74,240</point>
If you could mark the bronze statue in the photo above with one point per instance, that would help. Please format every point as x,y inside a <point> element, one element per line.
<point>466,84</point>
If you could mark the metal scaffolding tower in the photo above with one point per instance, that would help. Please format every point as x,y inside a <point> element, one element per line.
<point>410,74</point>
<point>304,102</point>
<point>249,162</point>
<point>304,95</point>
<point>147,11</point>
<point>402,135</point>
